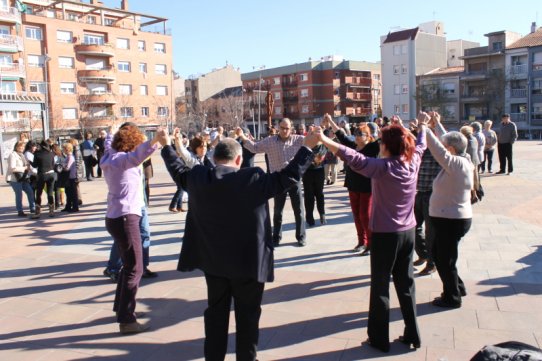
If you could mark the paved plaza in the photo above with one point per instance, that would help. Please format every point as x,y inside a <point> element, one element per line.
<point>55,304</point>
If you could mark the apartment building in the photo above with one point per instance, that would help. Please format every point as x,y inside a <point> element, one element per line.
<point>484,79</point>
<point>90,65</point>
<point>304,92</point>
<point>404,55</point>
<point>438,90</point>
<point>523,100</point>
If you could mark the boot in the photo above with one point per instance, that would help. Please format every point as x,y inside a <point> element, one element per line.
<point>38,212</point>
<point>51,210</point>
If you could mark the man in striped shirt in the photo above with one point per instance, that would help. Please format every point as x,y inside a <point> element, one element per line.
<point>280,149</point>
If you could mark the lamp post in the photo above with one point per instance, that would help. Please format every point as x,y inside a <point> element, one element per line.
<point>45,116</point>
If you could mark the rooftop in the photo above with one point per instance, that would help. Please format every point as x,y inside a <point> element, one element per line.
<point>401,35</point>
<point>530,40</point>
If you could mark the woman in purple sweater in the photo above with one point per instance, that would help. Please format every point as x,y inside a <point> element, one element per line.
<point>392,223</point>
<point>124,153</point>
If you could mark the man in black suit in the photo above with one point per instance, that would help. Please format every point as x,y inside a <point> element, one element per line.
<point>238,258</point>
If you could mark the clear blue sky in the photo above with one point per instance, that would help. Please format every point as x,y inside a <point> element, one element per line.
<point>247,33</point>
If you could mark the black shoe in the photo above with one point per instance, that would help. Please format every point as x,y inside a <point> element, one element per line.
<point>323,219</point>
<point>500,172</point>
<point>366,252</point>
<point>358,248</point>
<point>113,276</point>
<point>383,348</point>
<point>301,243</point>
<point>276,242</point>
<point>147,273</point>
<point>419,262</point>
<point>427,270</point>
<point>21,214</point>
<point>440,302</point>
<point>310,222</point>
<point>415,344</point>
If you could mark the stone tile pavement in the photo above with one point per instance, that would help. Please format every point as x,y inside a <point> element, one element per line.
<point>55,304</point>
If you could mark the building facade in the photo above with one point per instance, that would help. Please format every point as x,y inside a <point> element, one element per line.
<point>91,65</point>
<point>305,92</point>
<point>523,100</point>
<point>404,55</point>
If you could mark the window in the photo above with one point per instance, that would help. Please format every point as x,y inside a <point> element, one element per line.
<point>304,93</point>
<point>145,111</point>
<point>160,69</point>
<point>448,88</point>
<point>397,50</point>
<point>6,59</point>
<point>404,49</point>
<point>163,111</point>
<point>142,67</point>
<point>404,108</point>
<point>278,110</point>
<point>396,89</point>
<point>67,88</point>
<point>124,66</point>
<point>35,61</point>
<point>33,33</point>
<point>8,87</point>
<point>96,88</point>
<point>276,81</point>
<point>303,77</point>
<point>141,45</point>
<point>69,113</point>
<point>65,62</point>
<point>159,47</point>
<point>93,39</point>
<point>449,111</point>
<point>305,109</point>
<point>143,90</point>
<point>126,112</point>
<point>123,43</point>
<point>94,64</point>
<point>97,112</point>
<point>277,96</point>
<point>91,19</point>
<point>72,17</point>
<point>64,36</point>
<point>4,30</point>
<point>403,69</point>
<point>497,46</point>
<point>376,76</point>
<point>109,22</point>
<point>396,69</point>
<point>37,87</point>
<point>396,109</point>
<point>537,61</point>
<point>125,89</point>
<point>404,89</point>
<point>161,90</point>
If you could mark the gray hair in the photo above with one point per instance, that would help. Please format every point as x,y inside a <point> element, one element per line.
<point>476,126</point>
<point>488,123</point>
<point>227,150</point>
<point>455,140</point>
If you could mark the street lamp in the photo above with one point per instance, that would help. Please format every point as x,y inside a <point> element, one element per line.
<point>45,116</point>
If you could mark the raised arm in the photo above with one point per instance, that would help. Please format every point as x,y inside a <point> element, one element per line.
<point>254,147</point>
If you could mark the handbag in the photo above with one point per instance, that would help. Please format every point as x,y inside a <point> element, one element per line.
<point>58,168</point>
<point>21,177</point>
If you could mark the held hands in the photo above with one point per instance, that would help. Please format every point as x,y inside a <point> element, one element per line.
<point>396,120</point>
<point>239,133</point>
<point>311,140</point>
<point>422,119</point>
<point>435,119</point>
<point>162,136</point>
<point>176,134</point>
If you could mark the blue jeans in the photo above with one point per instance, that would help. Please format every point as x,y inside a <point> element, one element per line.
<point>115,263</point>
<point>18,188</point>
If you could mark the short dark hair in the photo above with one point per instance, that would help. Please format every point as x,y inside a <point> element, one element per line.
<point>227,150</point>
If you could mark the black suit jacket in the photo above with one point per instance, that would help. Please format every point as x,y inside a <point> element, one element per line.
<point>228,227</point>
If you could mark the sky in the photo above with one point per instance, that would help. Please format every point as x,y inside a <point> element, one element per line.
<point>249,34</point>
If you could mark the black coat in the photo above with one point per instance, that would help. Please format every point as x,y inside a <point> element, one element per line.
<point>228,227</point>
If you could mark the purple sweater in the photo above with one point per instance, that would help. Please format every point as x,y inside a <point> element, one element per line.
<point>123,177</point>
<point>393,186</point>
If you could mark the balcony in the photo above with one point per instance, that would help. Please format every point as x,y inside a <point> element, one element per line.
<point>537,67</point>
<point>358,111</point>
<point>106,50</point>
<point>518,117</point>
<point>473,95</point>
<point>336,83</point>
<point>290,99</point>
<point>358,96</point>
<point>293,114</point>
<point>106,75</point>
<point>11,43</point>
<point>520,69</point>
<point>12,71</point>
<point>337,113</point>
<point>10,15</point>
<point>98,98</point>
<point>286,83</point>
<point>357,81</point>
<point>518,93</point>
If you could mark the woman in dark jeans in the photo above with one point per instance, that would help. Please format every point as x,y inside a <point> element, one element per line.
<point>358,185</point>
<point>44,162</point>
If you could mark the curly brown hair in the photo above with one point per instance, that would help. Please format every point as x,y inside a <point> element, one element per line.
<point>127,139</point>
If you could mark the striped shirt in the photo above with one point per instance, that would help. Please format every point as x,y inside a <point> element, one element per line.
<point>279,151</point>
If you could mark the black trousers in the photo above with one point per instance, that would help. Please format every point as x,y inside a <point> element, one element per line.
<point>72,200</point>
<point>313,186</point>
<point>89,169</point>
<point>295,197</point>
<point>391,255</point>
<point>49,180</point>
<point>505,154</point>
<point>424,235</point>
<point>247,296</point>
<point>448,233</point>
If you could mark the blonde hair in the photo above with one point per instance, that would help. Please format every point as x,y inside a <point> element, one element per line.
<point>466,130</point>
<point>67,147</point>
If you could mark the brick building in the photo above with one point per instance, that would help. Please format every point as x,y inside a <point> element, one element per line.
<point>305,92</point>
<point>84,64</point>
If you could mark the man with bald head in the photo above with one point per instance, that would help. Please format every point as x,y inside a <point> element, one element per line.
<point>280,149</point>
